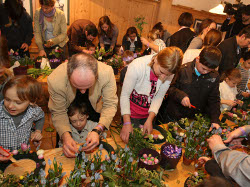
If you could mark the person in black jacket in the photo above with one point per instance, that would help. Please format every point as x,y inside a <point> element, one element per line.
<point>231,49</point>
<point>16,26</point>
<point>184,35</point>
<point>234,28</point>
<point>131,41</point>
<point>195,85</point>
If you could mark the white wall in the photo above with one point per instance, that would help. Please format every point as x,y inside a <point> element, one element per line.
<point>203,4</point>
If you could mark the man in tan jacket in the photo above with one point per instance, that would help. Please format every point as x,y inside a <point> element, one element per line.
<point>83,72</point>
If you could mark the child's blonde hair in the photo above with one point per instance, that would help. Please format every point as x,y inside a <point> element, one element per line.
<point>169,58</point>
<point>28,88</point>
<point>154,34</point>
<point>128,56</point>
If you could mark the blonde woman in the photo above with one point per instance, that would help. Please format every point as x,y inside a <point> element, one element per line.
<point>146,83</point>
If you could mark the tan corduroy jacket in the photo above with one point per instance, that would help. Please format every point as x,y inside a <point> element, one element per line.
<point>62,94</point>
<point>59,29</point>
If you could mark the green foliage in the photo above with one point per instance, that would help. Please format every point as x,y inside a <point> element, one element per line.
<point>196,178</point>
<point>115,62</point>
<point>140,21</point>
<point>35,73</point>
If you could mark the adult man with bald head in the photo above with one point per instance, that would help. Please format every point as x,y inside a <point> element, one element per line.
<point>88,80</point>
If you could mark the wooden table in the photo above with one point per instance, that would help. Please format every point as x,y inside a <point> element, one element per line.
<point>176,177</point>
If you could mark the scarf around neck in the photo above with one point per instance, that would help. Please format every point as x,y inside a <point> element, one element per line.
<point>49,15</point>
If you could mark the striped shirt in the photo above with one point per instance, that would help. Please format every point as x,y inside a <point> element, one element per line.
<point>245,75</point>
<point>11,137</point>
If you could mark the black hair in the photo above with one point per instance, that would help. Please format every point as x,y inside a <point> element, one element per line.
<point>75,106</point>
<point>47,2</point>
<point>245,31</point>
<point>92,30</point>
<point>210,57</point>
<point>131,30</point>
<point>89,45</point>
<point>15,8</point>
<point>158,26</point>
<point>186,19</point>
<point>246,55</point>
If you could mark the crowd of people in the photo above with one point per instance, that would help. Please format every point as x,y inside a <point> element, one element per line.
<point>181,71</point>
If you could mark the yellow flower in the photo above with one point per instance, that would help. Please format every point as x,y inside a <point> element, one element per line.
<point>21,177</point>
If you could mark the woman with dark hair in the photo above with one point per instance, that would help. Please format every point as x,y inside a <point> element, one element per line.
<point>212,38</point>
<point>131,41</point>
<point>16,26</point>
<point>184,34</point>
<point>50,27</point>
<point>205,26</point>
<point>164,34</point>
<point>108,33</point>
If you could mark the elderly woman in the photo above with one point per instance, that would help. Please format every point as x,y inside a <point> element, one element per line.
<point>146,83</point>
<point>50,27</point>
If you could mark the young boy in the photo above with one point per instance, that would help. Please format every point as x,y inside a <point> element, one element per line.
<point>127,57</point>
<point>91,48</point>
<point>195,85</point>
<point>79,123</point>
<point>242,88</point>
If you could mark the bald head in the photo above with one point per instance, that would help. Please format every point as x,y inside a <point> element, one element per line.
<point>82,61</point>
<point>82,71</point>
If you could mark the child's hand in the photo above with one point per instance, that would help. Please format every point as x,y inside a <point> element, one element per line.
<point>36,137</point>
<point>230,103</point>
<point>245,94</point>
<point>202,160</point>
<point>239,102</point>
<point>186,102</point>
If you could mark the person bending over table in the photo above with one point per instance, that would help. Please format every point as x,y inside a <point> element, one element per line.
<point>197,84</point>
<point>234,164</point>
<point>91,81</point>
<point>146,83</point>
<point>50,28</point>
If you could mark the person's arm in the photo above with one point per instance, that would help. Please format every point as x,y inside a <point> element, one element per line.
<point>74,40</point>
<point>196,43</point>
<point>233,163</point>
<point>101,41</point>
<point>4,156</point>
<point>214,101</point>
<point>225,25</point>
<point>150,45</point>
<point>63,28</point>
<point>157,100</point>
<point>109,98</point>
<point>37,31</point>
<point>28,29</point>
<point>114,37</point>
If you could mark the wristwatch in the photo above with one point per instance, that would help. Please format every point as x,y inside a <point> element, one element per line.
<point>97,131</point>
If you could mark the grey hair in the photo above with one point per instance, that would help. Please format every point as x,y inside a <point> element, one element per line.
<point>82,60</point>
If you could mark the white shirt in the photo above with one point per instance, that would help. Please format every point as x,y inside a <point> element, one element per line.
<point>227,93</point>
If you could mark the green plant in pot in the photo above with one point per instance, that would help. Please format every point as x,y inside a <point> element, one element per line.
<point>116,63</point>
<point>140,21</point>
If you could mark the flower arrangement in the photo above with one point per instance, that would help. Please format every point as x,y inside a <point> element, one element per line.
<point>115,62</point>
<point>118,169</point>
<point>172,151</point>
<point>56,54</point>
<point>23,61</point>
<point>195,178</point>
<point>35,73</point>
<point>238,116</point>
<point>99,53</point>
<point>140,21</point>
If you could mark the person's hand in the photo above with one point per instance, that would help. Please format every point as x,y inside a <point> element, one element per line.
<point>147,127</point>
<point>245,94</point>
<point>126,130</point>
<point>88,52</point>
<point>202,160</point>
<point>232,135</point>
<point>186,102</point>
<point>230,103</point>
<point>111,48</point>
<point>69,145</point>
<point>214,125</point>
<point>144,41</point>
<point>92,141</point>
<point>4,156</point>
<point>239,102</point>
<point>25,47</point>
<point>214,140</point>
<point>42,53</point>
<point>49,43</point>
<point>36,137</point>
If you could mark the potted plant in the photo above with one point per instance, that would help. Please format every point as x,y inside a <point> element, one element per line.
<point>149,159</point>
<point>140,21</point>
<point>99,53</point>
<point>55,57</point>
<point>195,179</point>
<point>116,63</point>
